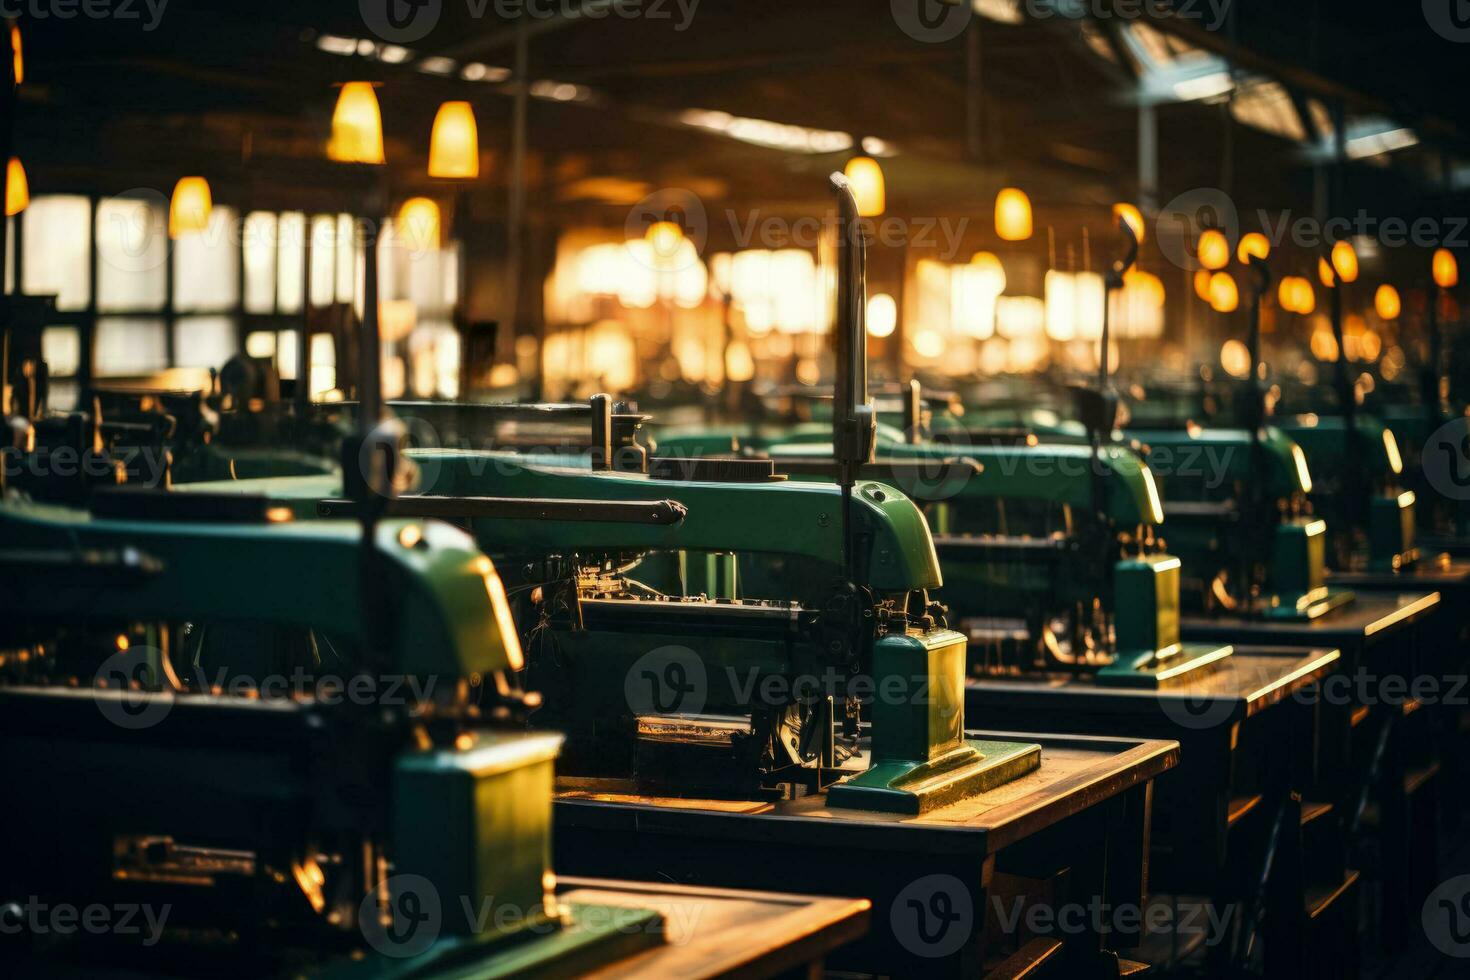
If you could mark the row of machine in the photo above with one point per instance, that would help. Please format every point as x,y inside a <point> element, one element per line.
<point>1030,679</point>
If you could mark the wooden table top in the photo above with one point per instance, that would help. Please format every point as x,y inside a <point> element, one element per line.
<point>1252,677</point>
<point>720,932</point>
<point>1370,614</point>
<point>1076,772</point>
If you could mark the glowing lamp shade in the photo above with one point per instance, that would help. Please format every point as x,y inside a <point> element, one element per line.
<point>1325,274</point>
<point>419,224</point>
<point>1446,269</point>
<point>1214,249</point>
<point>1224,296</point>
<point>665,237</point>
<point>1387,303</point>
<point>1132,216</point>
<point>454,145</point>
<point>17,190</point>
<point>1013,215</point>
<point>866,178</point>
<point>1202,284</point>
<point>1345,261</point>
<point>990,274</point>
<point>188,210</point>
<point>1253,245</point>
<point>357,126</point>
<point>882,315</point>
<point>19,58</point>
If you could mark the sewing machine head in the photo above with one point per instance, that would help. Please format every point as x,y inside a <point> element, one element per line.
<point>272,756</point>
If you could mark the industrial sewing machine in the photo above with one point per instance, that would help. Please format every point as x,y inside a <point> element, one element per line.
<point>794,602</point>
<point>290,775</point>
<point>1049,550</point>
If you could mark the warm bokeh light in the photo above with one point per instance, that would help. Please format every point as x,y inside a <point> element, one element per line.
<point>19,57</point>
<point>357,126</point>
<point>882,315</point>
<point>1446,269</point>
<point>419,224</point>
<point>1254,244</point>
<point>1012,215</point>
<point>991,274</point>
<point>454,143</point>
<point>1325,274</point>
<point>1224,296</point>
<point>1125,212</point>
<point>17,188</point>
<point>188,210</point>
<point>665,237</point>
<point>1214,249</point>
<point>866,178</point>
<point>1387,303</point>
<point>1345,261</point>
<point>1202,284</point>
<point>1235,358</point>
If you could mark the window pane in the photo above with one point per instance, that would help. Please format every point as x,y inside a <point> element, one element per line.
<point>132,247</point>
<point>346,256</point>
<point>203,341</point>
<point>56,242</point>
<point>291,247</point>
<point>258,243</point>
<point>286,354</point>
<point>261,343</point>
<point>207,265</point>
<point>130,345</point>
<point>323,260</point>
<point>61,349</point>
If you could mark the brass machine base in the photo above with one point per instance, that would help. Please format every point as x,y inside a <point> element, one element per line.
<point>912,788</point>
<point>1156,668</point>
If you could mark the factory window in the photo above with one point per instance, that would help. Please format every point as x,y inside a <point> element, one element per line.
<point>61,349</point>
<point>132,252</point>
<point>207,266</point>
<point>258,246</point>
<point>56,242</point>
<point>203,341</point>
<point>130,346</point>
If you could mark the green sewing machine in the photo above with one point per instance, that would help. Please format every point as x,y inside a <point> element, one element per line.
<point>1049,551</point>
<point>1238,504</point>
<point>295,744</point>
<point>707,626</point>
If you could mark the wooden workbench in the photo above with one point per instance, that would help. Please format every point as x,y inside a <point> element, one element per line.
<point>1249,784</point>
<point>717,932</point>
<point>1079,825</point>
<point>1388,643</point>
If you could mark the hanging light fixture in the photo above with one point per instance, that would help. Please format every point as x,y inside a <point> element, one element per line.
<point>1213,250</point>
<point>17,190</point>
<point>1387,303</point>
<point>1255,244</point>
<point>188,210</point>
<point>357,126</point>
<point>1224,296</point>
<point>1202,284</point>
<point>418,224</point>
<point>1446,269</point>
<point>866,178</point>
<point>989,272</point>
<point>15,49</point>
<point>1325,274</point>
<point>1125,212</point>
<point>454,144</point>
<point>1012,215</point>
<point>1345,261</point>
